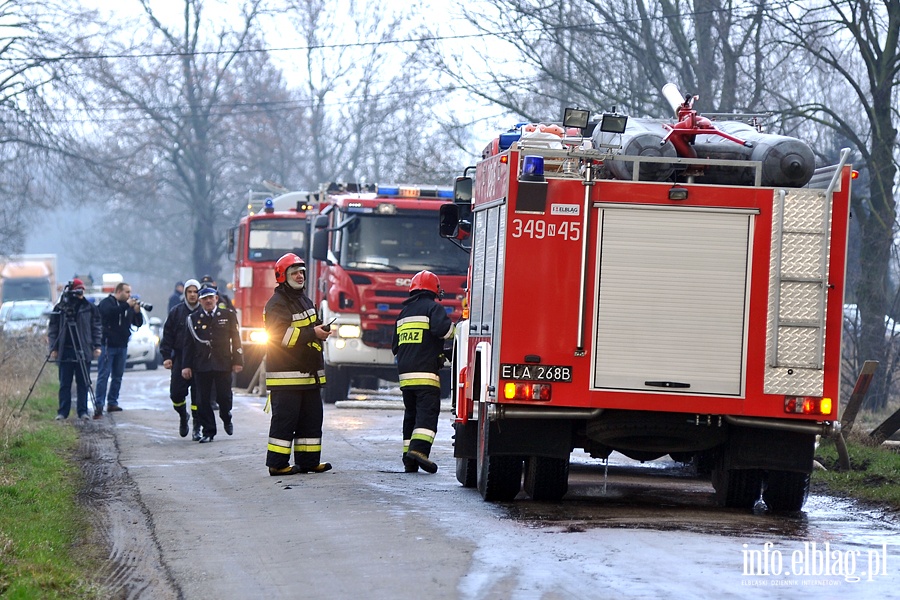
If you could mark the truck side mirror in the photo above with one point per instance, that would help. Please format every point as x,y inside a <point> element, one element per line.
<point>321,222</point>
<point>449,220</point>
<point>462,190</point>
<point>320,243</point>
<point>229,242</point>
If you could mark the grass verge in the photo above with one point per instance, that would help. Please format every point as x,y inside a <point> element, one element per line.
<point>44,549</point>
<point>874,474</point>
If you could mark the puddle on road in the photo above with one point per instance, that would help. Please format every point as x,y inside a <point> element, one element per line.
<point>666,496</point>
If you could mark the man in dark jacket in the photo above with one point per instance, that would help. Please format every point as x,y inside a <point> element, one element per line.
<point>172,346</point>
<point>295,372</point>
<point>118,313</point>
<point>418,343</point>
<point>176,297</point>
<point>213,351</point>
<point>74,335</point>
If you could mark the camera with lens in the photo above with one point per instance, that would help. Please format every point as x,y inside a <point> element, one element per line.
<point>145,305</point>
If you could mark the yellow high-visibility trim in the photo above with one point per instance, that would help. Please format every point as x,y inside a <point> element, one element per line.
<point>277,382</point>
<point>426,435</point>
<point>177,404</point>
<point>317,448</point>
<point>278,449</point>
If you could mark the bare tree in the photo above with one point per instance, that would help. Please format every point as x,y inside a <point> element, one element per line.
<point>855,44</point>
<point>164,149</point>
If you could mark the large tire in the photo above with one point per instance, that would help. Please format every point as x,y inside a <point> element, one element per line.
<point>337,385</point>
<point>152,365</point>
<point>467,472</point>
<point>737,488</point>
<point>786,491</point>
<point>546,478</point>
<point>499,477</point>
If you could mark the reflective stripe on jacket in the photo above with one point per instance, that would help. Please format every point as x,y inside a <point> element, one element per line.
<point>422,328</point>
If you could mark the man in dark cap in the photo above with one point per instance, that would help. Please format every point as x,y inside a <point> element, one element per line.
<point>212,353</point>
<point>74,335</point>
<point>224,301</point>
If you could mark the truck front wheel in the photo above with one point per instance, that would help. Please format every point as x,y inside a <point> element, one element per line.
<point>546,478</point>
<point>337,384</point>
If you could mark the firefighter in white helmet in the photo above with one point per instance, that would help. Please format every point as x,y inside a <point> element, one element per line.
<point>295,372</point>
<point>418,343</point>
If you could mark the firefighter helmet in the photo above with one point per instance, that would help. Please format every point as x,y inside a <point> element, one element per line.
<point>425,280</point>
<point>286,262</point>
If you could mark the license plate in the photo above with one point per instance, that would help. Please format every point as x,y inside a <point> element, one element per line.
<point>536,372</point>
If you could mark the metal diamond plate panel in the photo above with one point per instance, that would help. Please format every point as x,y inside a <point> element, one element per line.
<point>800,301</point>
<point>799,353</point>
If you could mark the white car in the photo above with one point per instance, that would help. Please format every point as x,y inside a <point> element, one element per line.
<point>143,345</point>
<point>25,318</point>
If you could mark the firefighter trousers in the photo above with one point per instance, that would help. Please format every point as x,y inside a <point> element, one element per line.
<point>179,388</point>
<point>205,382</point>
<point>296,427</point>
<point>422,405</point>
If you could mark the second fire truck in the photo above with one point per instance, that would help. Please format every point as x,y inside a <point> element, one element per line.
<point>653,289</point>
<point>368,242</point>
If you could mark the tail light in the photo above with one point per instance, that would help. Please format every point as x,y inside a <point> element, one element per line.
<point>807,405</point>
<point>526,391</point>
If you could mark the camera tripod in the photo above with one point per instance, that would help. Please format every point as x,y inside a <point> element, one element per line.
<point>83,361</point>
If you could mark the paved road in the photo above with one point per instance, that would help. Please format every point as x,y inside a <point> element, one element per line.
<point>188,520</point>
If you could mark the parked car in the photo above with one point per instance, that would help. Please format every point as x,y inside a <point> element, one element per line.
<point>143,345</point>
<point>25,318</point>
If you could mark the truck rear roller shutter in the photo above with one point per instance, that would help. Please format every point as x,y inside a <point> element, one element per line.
<point>671,309</point>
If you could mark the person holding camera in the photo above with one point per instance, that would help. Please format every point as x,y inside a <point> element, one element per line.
<point>74,335</point>
<point>118,313</point>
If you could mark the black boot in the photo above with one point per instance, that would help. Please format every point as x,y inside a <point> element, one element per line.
<point>196,436</point>
<point>183,427</point>
<point>409,464</point>
<point>423,461</point>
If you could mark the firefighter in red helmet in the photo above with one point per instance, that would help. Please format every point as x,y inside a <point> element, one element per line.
<point>418,343</point>
<point>295,373</point>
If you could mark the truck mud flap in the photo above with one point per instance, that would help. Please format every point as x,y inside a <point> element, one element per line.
<point>754,448</point>
<point>530,437</point>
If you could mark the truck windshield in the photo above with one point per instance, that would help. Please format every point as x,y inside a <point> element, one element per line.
<point>400,242</point>
<point>26,289</point>
<point>270,239</point>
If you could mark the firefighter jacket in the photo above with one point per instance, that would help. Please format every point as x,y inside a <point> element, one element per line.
<point>293,352</point>
<point>117,317</point>
<point>422,328</point>
<point>87,325</point>
<point>213,341</point>
<point>175,332</point>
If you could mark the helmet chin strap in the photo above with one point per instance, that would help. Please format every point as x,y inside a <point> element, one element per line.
<point>294,285</point>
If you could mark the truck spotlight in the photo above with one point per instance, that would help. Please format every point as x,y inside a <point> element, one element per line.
<point>613,123</point>
<point>258,336</point>
<point>678,193</point>
<point>575,117</point>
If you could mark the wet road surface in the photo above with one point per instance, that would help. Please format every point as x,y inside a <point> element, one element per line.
<point>187,520</point>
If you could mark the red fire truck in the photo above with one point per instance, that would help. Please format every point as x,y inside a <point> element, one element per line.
<point>368,242</point>
<point>278,226</point>
<point>653,289</point>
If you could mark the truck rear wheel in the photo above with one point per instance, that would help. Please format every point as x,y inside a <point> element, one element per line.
<point>737,488</point>
<point>786,491</point>
<point>546,478</point>
<point>467,472</point>
<point>337,384</point>
<point>499,477</point>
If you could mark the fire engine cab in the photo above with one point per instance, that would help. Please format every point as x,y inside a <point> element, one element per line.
<point>368,242</point>
<point>270,229</point>
<point>650,288</point>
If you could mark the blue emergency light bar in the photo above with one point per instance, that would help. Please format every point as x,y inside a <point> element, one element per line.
<point>401,191</point>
